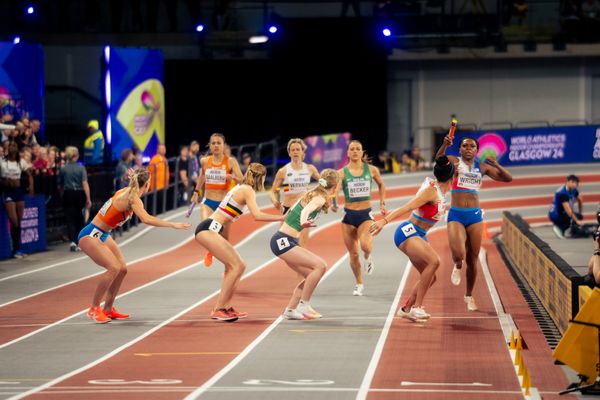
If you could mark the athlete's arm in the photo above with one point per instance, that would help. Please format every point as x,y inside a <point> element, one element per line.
<point>334,196</point>
<point>315,204</point>
<point>250,199</point>
<point>198,189</point>
<point>497,172</point>
<point>274,192</point>
<point>236,172</point>
<point>424,197</point>
<point>138,208</point>
<point>377,178</point>
<point>570,212</point>
<point>442,150</point>
<point>314,173</point>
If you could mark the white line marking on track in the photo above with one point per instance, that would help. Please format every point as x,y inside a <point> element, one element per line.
<point>125,242</point>
<point>207,385</point>
<point>408,383</point>
<point>193,265</point>
<point>166,322</point>
<point>366,383</point>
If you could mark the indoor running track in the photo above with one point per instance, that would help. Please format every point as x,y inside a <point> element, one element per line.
<point>171,349</point>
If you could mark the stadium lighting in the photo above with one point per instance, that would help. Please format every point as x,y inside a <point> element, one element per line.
<point>258,39</point>
<point>386,32</point>
<point>17,40</point>
<point>107,94</point>
<point>30,10</point>
<point>273,29</point>
<point>199,28</point>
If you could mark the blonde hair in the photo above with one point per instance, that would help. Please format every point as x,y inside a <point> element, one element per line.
<point>329,179</point>
<point>253,176</point>
<point>137,179</point>
<point>71,152</point>
<point>296,140</point>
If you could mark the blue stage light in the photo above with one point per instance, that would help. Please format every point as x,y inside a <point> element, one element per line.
<point>30,10</point>
<point>272,29</point>
<point>386,32</point>
<point>17,40</point>
<point>199,28</point>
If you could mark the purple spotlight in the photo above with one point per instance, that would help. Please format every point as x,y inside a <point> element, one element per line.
<point>199,28</point>
<point>17,40</point>
<point>30,10</point>
<point>386,32</point>
<point>272,29</point>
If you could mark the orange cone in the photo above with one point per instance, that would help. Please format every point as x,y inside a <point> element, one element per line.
<point>486,233</point>
<point>519,344</point>
<point>512,344</point>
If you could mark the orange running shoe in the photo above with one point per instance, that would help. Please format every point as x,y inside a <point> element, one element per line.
<point>239,314</point>
<point>97,315</point>
<point>114,314</point>
<point>223,314</point>
<point>208,259</point>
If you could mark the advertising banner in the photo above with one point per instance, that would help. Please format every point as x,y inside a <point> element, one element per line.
<point>33,227</point>
<point>22,82</point>
<point>327,151</point>
<point>135,99</point>
<point>556,145</point>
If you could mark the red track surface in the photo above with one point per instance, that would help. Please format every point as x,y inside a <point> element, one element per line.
<point>202,335</point>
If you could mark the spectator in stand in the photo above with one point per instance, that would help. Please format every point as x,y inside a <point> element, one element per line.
<point>194,167</point>
<point>383,162</point>
<point>246,161</point>
<point>27,138</point>
<point>562,212</point>
<point>138,160</point>
<point>396,167</point>
<point>76,194</point>
<point>26,156</point>
<point>12,169</point>
<point>93,146</point>
<point>183,163</point>
<point>41,161</point>
<point>2,153</point>
<point>53,165</point>
<point>125,162</point>
<point>159,169</point>
<point>418,158</point>
<point>407,164</point>
<point>35,127</point>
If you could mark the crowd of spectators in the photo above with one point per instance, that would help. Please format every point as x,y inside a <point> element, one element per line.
<point>580,20</point>
<point>408,161</point>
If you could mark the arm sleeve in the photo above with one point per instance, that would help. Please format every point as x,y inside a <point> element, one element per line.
<point>562,198</point>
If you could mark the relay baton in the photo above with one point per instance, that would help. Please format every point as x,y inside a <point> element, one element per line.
<point>452,128</point>
<point>190,209</point>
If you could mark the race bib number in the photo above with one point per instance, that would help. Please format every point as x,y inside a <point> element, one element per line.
<point>105,207</point>
<point>358,189</point>
<point>469,180</point>
<point>409,230</point>
<point>216,176</point>
<point>283,243</point>
<point>96,233</point>
<point>215,226</point>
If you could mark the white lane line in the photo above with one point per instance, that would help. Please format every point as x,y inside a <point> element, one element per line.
<point>164,323</point>
<point>215,378</point>
<point>245,240</point>
<point>366,383</point>
<point>58,264</point>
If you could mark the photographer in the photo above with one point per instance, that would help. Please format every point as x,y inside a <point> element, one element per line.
<point>562,212</point>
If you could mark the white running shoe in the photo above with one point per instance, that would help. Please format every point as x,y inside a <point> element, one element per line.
<point>455,277</point>
<point>369,266</point>
<point>471,306</point>
<point>407,315</point>
<point>307,311</point>
<point>418,313</point>
<point>358,289</point>
<point>558,232</point>
<point>292,314</point>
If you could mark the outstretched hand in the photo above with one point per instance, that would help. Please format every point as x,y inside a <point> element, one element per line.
<point>309,224</point>
<point>181,225</point>
<point>376,227</point>
<point>448,140</point>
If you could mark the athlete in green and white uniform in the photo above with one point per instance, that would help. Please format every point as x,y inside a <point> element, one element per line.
<point>356,181</point>
<point>284,244</point>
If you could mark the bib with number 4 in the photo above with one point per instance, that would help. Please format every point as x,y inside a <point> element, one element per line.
<point>283,243</point>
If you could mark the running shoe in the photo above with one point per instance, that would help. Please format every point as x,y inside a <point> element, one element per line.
<point>558,232</point>
<point>97,315</point>
<point>306,310</point>
<point>419,313</point>
<point>114,314</point>
<point>19,254</point>
<point>358,289</point>
<point>239,314</point>
<point>369,266</point>
<point>73,247</point>
<point>404,314</point>
<point>208,259</point>
<point>290,313</point>
<point>471,306</point>
<point>455,277</point>
<point>223,314</point>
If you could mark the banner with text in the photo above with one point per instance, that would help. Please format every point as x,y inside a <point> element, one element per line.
<point>33,227</point>
<point>327,151</point>
<point>535,146</point>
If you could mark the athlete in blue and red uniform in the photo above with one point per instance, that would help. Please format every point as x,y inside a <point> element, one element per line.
<point>465,220</point>
<point>427,208</point>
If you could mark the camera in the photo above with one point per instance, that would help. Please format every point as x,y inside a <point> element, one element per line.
<point>596,234</point>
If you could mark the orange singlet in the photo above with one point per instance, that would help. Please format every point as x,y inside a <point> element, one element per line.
<point>216,174</point>
<point>110,215</point>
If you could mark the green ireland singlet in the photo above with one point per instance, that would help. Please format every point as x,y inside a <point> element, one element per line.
<point>357,188</point>
<point>293,216</point>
